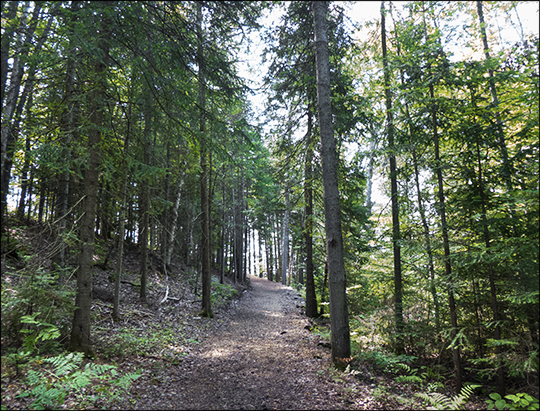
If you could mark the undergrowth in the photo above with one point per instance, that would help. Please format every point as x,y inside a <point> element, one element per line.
<point>167,342</point>
<point>89,385</point>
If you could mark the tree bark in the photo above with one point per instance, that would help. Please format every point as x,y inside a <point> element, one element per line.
<point>285,240</point>
<point>501,389</point>
<point>174,223</point>
<point>260,259</point>
<point>269,254</point>
<point>9,30</point>
<point>144,202</point>
<point>396,234</point>
<point>13,102</point>
<point>206,275</point>
<point>122,225</point>
<point>278,246</point>
<point>68,126</point>
<point>80,332</point>
<point>427,238</point>
<point>369,187</point>
<point>311,298</point>
<point>441,210</point>
<point>339,316</point>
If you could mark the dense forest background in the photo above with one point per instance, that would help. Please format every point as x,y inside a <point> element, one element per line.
<point>129,124</point>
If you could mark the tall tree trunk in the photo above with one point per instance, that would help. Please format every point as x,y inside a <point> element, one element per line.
<point>339,315</point>
<point>323,289</point>
<point>396,234</point>
<point>24,179</point>
<point>441,210</point>
<point>222,248</point>
<point>80,332</point>
<point>235,234</point>
<point>269,254</point>
<point>174,223</point>
<point>427,239</point>
<point>278,244</point>
<point>144,202</point>
<point>9,30</point>
<point>248,245</point>
<point>239,241</point>
<point>165,216</point>
<point>68,129</point>
<point>506,166</point>
<point>121,226</point>
<point>369,188</point>
<point>14,101</point>
<point>206,309</point>
<point>421,208</point>
<point>501,389</point>
<point>285,238</point>
<point>311,298</point>
<point>260,259</point>
<point>243,219</point>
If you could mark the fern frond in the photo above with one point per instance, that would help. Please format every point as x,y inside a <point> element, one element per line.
<point>458,400</point>
<point>64,364</point>
<point>443,402</point>
<point>409,379</point>
<point>99,369</point>
<point>437,400</point>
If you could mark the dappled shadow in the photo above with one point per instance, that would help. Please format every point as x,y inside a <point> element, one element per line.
<point>260,357</point>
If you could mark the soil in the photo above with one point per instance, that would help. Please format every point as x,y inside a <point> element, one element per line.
<point>259,354</point>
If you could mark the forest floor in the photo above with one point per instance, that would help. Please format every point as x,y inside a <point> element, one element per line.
<point>259,351</point>
<point>258,354</point>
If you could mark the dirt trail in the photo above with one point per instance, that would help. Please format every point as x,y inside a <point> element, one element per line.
<point>259,356</point>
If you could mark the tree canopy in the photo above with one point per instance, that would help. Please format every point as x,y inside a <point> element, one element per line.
<point>131,124</point>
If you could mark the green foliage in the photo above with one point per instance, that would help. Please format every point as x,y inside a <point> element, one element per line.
<point>322,331</point>
<point>167,342</point>
<point>159,60</point>
<point>440,401</point>
<point>411,376</point>
<point>35,292</point>
<point>40,331</point>
<point>50,387</point>
<point>520,401</point>
<point>388,361</point>
<point>222,293</point>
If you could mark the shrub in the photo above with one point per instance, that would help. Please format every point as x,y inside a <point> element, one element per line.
<point>519,401</point>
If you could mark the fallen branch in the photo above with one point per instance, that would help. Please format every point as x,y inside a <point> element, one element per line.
<point>166,295</point>
<point>130,283</point>
<point>140,313</point>
<point>167,290</point>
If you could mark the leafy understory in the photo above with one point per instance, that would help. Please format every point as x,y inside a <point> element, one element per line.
<point>519,401</point>
<point>439,401</point>
<point>89,385</point>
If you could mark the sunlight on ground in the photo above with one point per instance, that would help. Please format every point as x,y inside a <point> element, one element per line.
<point>217,353</point>
<point>272,314</point>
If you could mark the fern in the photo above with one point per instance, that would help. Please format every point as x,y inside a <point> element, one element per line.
<point>64,364</point>
<point>440,401</point>
<point>99,369</point>
<point>409,379</point>
<point>49,389</point>
<point>125,381</point>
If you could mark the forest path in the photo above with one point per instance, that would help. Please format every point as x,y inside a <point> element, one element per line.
<point>258,356</point>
